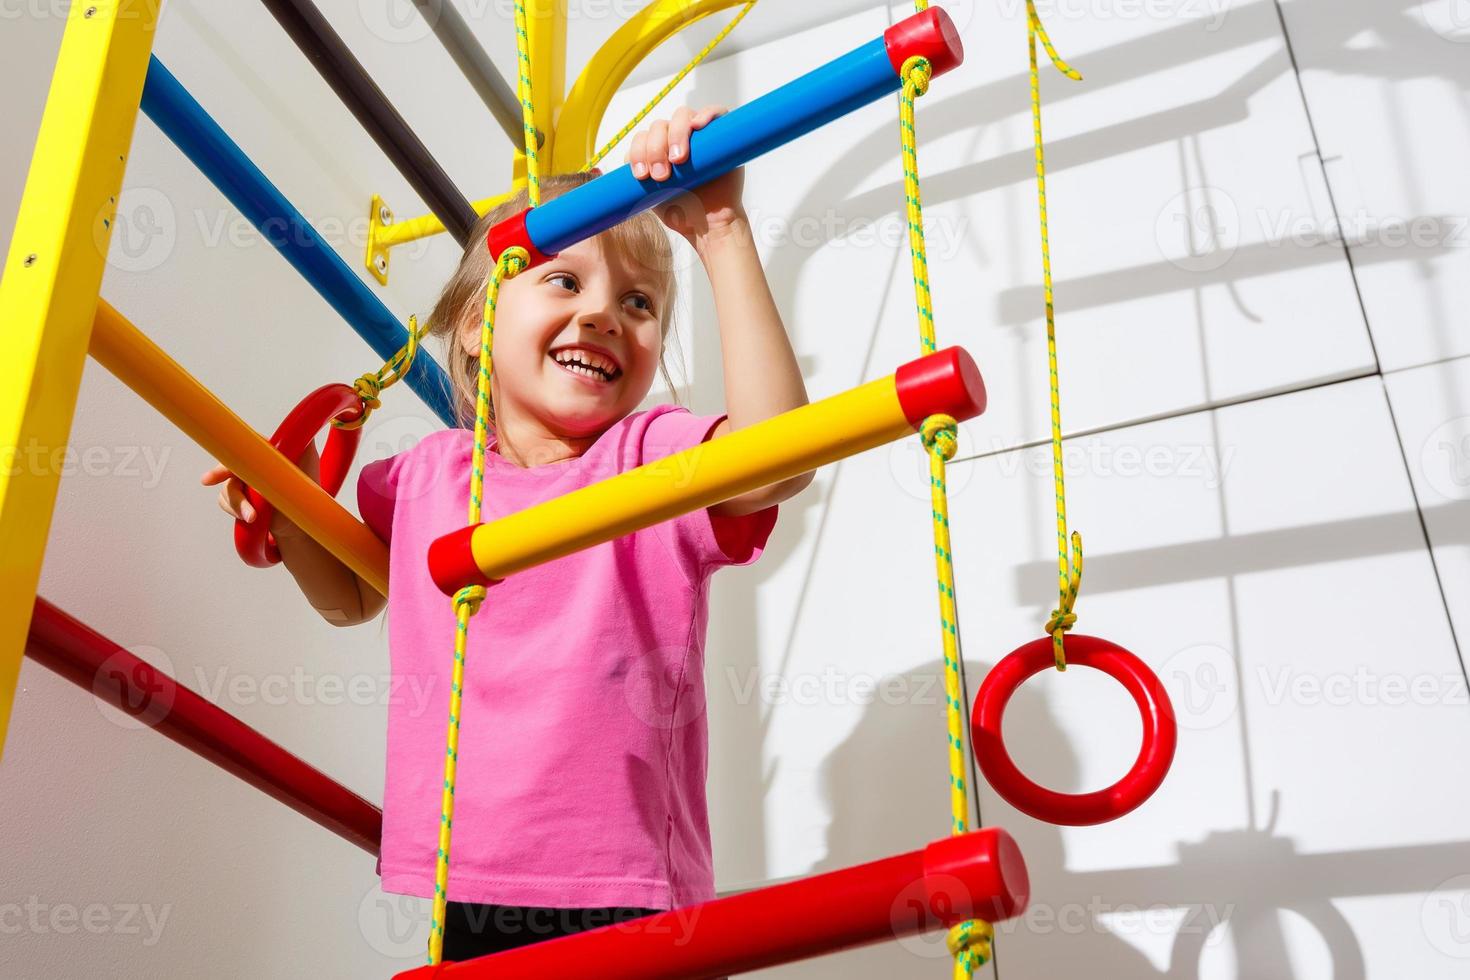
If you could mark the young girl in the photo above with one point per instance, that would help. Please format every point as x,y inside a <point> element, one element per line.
<point>583,745</point>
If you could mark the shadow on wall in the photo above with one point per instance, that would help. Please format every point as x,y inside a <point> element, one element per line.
<point>998,103</point>
<point>871,791</point>
<point>1254,881</point>
<point>736,735</point>
<point>1247,888</point>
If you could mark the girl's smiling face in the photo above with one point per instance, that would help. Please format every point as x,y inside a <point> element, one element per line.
<point>591,305</point>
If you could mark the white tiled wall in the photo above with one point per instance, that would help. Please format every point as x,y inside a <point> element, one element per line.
<point>1268,562</point>
<point>1266,557</point>
<point>1386,82</point>
<point>1432,407</point>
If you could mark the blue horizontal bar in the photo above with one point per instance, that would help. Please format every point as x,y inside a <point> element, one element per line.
<point>185,122</point>
<point>855,79</point>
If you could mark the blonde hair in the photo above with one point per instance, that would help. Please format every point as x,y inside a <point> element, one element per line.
<point>462,301</point>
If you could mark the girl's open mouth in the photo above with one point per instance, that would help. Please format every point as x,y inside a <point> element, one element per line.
<point>588,369</point>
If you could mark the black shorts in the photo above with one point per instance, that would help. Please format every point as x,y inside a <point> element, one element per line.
<point>472,929</point>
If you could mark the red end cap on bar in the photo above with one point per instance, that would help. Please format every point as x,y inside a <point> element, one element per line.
<point>452,562</point>
<point>980,874</point>
<point>946,382</point>
<point>512,231</point>
<point>928,34</point>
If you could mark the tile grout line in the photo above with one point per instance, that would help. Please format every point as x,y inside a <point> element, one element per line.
<point>1166,416</point>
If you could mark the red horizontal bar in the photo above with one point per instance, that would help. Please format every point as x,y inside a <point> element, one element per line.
<point>975,875</point>
<point>93,662</point>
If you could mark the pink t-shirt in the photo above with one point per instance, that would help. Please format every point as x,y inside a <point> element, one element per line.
<point>583,741</point>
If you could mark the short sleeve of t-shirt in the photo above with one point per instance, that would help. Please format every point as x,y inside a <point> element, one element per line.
<point>377,494</point>
<point>715,540</point>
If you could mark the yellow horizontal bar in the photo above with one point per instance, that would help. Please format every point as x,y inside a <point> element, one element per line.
<point>49,290</point>
<point>163,383</point>
<point>425,226</point>
<point>768,452</point>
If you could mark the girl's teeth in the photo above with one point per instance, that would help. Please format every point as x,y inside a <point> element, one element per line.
<point>583,370</point>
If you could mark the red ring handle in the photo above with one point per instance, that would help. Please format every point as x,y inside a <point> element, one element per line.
<point>253,541</point>
<point>1160,733</point>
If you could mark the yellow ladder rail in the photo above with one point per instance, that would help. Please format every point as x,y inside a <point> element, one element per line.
<point>48,294</point>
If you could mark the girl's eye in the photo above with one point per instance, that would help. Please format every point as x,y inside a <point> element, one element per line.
<point>564,277</point>
<point>643,302</point>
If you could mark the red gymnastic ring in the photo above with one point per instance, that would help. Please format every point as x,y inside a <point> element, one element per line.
<point>1083,809</point>
<point>254,542</point>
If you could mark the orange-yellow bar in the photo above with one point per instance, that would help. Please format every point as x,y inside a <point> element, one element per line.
<point>947,382</point>
<point>163,383</point>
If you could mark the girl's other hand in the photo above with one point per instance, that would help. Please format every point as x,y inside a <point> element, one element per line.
<point>233,501</point>
<point>708,208</point>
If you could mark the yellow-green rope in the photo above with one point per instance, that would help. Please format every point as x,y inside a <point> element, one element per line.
<point>1069,566</point>
<point>467,600</point>
<point>968,941</point>
<point>371,385</point>
<point>528,109</point>
<point>704,53</point>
